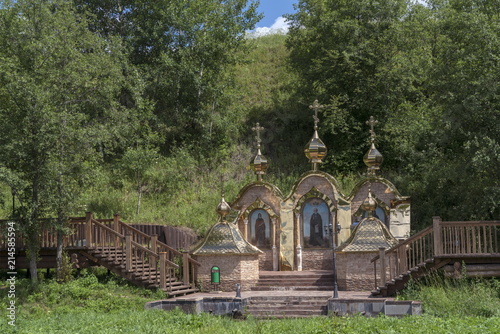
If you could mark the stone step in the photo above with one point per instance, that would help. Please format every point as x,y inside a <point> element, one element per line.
<point>294,283</point>
<point>280,303</point>
<point>292,288</point>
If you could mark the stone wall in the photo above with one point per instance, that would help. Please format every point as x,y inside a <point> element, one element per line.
<point>317,259</point>
<point>266,260</point>
<point>355,271</point>
<point>242,269</point>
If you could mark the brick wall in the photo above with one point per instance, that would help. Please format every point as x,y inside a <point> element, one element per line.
<point>317,259</point>
<point>355,271</point>
<point>266,260</point>
<point>242,269</point>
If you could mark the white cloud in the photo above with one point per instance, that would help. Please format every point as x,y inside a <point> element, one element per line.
<point>280,26</point>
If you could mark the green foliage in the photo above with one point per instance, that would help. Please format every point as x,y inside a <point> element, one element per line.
<point>98,303</point>
<point>427,73</point>
<point>451,297</point>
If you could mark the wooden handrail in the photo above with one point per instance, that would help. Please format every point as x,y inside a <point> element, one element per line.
<point>133,229</point>
<point>96,222</point>
<point>441,239</point>
<point>168,248</point>
<point>408,241</point>
<point>144,249</point>
<point>193,261</point>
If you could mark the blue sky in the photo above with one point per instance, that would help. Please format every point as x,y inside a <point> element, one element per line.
<point>272,9</point>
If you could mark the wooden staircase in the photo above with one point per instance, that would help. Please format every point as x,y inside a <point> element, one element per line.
<point>134,255</point>
<point>124,250</point>
<point>434,247</point>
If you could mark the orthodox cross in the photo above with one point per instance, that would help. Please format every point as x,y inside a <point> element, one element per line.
<point>372,122</point>
<point>316,106</point>
<point>222,185</point>
<point>257,128</point>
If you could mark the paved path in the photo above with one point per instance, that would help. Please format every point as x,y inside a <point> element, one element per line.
<point>278,293</point>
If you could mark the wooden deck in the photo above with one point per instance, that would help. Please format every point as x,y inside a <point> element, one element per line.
<point>125,250</point>
<point>446,245</point>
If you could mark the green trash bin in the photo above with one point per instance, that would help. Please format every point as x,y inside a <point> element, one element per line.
<point>215,275</point>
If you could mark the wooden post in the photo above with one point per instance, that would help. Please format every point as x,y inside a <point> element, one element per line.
<point>403,259</point>
<point>116,227</point>
<point>185,264</point>
<point>436,226</point>
<point>154,239</point>
<point>88,229</point>
<point>382,266</point>
<point>163,271</point>
<point>128,252</point>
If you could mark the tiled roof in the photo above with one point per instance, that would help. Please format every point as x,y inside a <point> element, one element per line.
<point>369,235</point>
<point>225,238</point>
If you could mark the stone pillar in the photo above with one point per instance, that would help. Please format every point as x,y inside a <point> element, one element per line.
<point>298,242</point>
<point>275,249</point>
<point>245,229</point>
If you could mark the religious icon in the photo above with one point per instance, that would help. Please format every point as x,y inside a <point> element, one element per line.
<point>315,217</point>
<point>260,232</point>
<point>316,229</point>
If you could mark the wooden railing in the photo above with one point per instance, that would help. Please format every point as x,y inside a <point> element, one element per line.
<point>129,247</point>
<point>441,240</point>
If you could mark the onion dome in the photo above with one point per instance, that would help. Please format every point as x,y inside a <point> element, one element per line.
<point>315,149</point>
<point>224,238</point>
<point>369,236</point>
<point>223,209</point>
<point>373,158</point>
<point>259,163</point>
<point>369,204</point>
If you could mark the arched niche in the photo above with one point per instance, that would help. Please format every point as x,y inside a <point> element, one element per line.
<point>260,229</point>
<point>315,211</point>
<point>382,212</point>
<point>315,216</point>
<point>258,195</point>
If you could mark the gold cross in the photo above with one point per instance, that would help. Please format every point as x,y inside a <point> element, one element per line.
<point>257,128</point>
<point>316,106</point>
<point>372,122</point>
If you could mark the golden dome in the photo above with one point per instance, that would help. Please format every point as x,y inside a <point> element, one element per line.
<point>315,149</point>
<point>259,163</point>
<point>369,204</point>
<point>373,159</point>
<point>223,209</point>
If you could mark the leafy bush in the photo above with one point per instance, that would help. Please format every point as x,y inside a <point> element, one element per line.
<point>450,297</point>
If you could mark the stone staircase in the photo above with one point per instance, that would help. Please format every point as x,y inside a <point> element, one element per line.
<point>318,280</point>
<point>277,307</point>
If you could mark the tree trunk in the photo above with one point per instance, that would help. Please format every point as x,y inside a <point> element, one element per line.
<point>59,253</point>
<point>32,256</point>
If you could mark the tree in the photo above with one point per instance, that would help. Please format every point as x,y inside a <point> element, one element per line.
<point>429,74</point>
<point>60,88</point>
<point>343,51</point>
<point>186,51</point>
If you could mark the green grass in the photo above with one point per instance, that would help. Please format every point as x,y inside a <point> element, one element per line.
<point>101,303</point>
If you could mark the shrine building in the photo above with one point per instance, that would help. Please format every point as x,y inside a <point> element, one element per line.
<point>303,230</point>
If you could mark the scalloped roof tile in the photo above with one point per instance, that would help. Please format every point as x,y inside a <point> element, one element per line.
<point>225,238</point>
<point>368,236</point>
